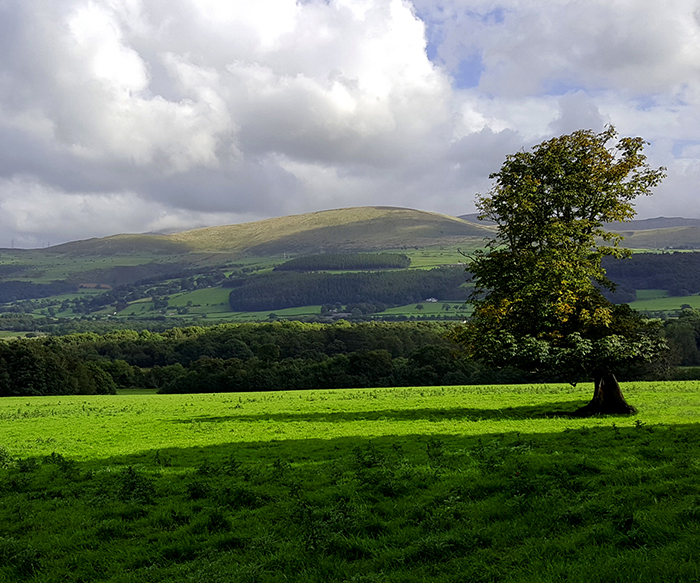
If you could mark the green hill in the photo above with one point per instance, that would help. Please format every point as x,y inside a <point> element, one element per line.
<point>369,228</point>
<point>357,229</point>
<point>665,238</point>
<point>122,245</point>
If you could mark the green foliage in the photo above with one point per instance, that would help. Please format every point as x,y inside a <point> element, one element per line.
<point>683,335</point>
<point>11,291</point>
<point>36,368</point>
<point>678,273</point>
<point>537,285</point>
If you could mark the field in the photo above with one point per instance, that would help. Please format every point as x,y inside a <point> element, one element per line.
<point>491,483</point>
<point>660,301</point>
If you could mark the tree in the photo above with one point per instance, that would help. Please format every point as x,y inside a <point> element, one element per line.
<point>537,286</point>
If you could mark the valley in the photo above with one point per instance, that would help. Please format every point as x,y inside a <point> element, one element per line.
<point>156,281</point>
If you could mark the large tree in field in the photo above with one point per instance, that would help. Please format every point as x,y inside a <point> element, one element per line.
<point>537,286</point>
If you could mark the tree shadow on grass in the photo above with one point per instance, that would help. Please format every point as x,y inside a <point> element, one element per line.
<point>542,411</point>
<point>658,443</point>
<point>344,508</point>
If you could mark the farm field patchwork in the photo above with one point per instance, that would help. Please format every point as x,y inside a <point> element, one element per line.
<point>480,483</point>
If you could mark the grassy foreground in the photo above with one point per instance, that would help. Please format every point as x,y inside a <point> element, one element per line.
<point>398,485</point>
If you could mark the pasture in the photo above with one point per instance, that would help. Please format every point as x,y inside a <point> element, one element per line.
<point>483,483</point>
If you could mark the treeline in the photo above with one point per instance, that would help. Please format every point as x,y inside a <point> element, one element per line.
<point>274,356</point>
<point>346,261</point>
<point>276,291</point>
<point>247,357</point>
<point>32,368</point>
<point>677,272</point>
<point>683,334</point>
<point>11,291</point>
<point>252,340</point>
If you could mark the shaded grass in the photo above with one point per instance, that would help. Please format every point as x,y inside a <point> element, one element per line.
<point>587,504</point>
<point>128,424</point>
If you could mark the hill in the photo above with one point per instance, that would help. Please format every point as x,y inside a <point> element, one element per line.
<point>357,229</point>
<point>369,228</point>
<point>350,229</point>
<point>226,272</point>
<point>122,245</point>
<point>666,238</point>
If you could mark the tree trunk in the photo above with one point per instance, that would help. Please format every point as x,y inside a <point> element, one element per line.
<point>607,398</point>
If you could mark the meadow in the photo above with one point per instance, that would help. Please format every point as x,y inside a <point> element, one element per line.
<point>479,483</point>
<point>660,301</point>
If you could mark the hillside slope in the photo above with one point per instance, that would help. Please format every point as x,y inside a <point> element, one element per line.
<point>349,229</point>
<point>359,228</point>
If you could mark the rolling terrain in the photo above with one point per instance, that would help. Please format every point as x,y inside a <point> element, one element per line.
<point>125,258</point>
<point>656,233</point>
<point>197,274</point>
<point>350,229</point>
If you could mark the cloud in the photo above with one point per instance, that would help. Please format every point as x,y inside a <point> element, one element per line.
<point>123,115</point>
<point>577,110</point>
<point>29,208</point>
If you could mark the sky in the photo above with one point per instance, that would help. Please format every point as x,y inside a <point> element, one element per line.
<point>130,116</point>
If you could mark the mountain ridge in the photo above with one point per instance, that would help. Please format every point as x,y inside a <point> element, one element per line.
<point>365,228</point>
<point>348,229</point>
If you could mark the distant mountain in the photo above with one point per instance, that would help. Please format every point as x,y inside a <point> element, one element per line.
<point>656,233</point>
<point>350,229</point>
<point>370,228</point>
<point>656,223</point>
<point>637,225</point>
<point>473,218</point>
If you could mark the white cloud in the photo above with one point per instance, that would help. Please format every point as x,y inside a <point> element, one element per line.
<point>212,110</point>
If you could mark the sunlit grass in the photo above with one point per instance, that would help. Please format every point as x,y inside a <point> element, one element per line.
<point>129,424</point>
<point>665,304</point>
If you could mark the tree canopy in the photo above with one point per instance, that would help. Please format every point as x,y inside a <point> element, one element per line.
<point>537,286</point>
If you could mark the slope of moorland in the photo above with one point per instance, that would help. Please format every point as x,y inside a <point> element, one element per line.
<point>348,229</point>
<point>125,258</point>
<point>124,244</point>
<point>666,238</point>
<point>359,228</point>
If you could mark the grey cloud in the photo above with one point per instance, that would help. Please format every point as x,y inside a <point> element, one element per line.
<point>577,111</point>
<point>254,187</point>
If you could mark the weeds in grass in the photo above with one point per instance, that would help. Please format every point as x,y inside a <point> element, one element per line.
<point>5,457</point>
<point>135,487</point>
<point>369,511</point>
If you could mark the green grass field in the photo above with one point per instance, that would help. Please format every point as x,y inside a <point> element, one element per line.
<point>440,484</point>
<point>660,301</point>
<point>431,257</point>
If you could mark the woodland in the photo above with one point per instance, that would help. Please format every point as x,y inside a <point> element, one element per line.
<point>286,356</point>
